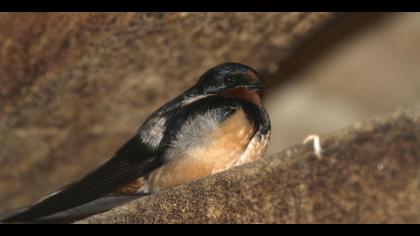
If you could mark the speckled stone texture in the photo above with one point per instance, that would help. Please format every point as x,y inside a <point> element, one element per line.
<point>369,173</point>
<point>75,87</point>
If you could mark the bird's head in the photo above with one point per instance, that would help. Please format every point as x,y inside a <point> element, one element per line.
<point>232,79</point>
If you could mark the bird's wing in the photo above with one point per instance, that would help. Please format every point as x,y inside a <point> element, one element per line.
<point>132,161</point>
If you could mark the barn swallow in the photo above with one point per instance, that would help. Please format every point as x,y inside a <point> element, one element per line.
<point>217,124</point>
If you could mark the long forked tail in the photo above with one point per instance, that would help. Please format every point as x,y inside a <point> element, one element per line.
<point>93,193</point>
<point>73,214</point>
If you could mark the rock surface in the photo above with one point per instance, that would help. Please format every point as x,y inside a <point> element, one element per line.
<point>369,173</point>
<point>74,87</point>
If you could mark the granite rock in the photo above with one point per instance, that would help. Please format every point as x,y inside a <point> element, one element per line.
<point>368,173</point>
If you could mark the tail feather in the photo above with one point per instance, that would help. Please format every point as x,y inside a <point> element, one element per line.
<point>13,214</point>
<point>73,214</point>
<point>91,194</point>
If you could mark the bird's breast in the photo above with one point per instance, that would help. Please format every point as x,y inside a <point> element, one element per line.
<point>219,149</point>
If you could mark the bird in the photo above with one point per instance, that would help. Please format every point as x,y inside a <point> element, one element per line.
<point>216,124</point>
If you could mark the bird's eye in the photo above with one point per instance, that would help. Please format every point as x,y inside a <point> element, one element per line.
<point>229,79</point>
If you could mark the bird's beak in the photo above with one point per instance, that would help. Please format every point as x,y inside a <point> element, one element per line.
<point>259,85</point>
